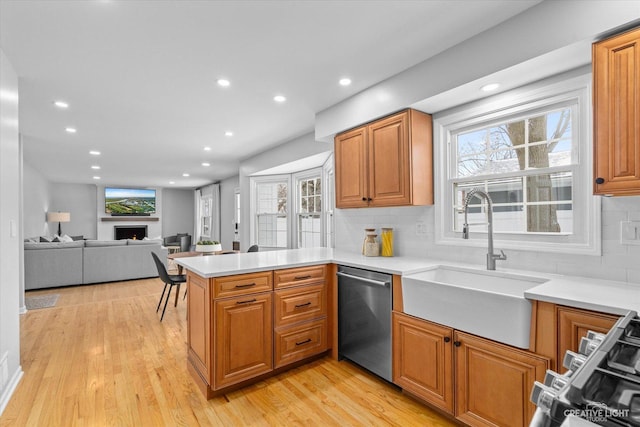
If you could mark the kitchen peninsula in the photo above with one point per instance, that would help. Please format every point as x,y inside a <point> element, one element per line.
<point>252,315</point>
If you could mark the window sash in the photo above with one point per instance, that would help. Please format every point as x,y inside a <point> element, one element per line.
<point>570,89</point>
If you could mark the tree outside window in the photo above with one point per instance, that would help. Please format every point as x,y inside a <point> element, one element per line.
<point>525,165</point>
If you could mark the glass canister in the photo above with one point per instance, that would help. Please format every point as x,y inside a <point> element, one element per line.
<point>367,232</point>
<point>386,237</point>
<point>371,246</point>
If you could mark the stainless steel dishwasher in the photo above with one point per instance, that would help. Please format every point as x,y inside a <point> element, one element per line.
<point>364,319</point>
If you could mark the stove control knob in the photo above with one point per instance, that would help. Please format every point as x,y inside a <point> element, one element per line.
<point>542,396</point>
<point>588,346</point>
<point>554,380</point>
<point>573,361</point>
<point>597,336</point>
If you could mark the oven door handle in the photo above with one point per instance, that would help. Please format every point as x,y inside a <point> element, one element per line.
<point>364,279</point>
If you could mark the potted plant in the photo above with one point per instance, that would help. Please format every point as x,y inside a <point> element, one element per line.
<point>208,246</point>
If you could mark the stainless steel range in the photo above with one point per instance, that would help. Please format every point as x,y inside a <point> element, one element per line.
<point>602,386</point>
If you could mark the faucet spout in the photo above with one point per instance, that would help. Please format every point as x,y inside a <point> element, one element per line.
<point>491,257</point>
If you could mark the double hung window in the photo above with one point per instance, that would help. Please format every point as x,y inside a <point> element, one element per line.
<point>530,151</point>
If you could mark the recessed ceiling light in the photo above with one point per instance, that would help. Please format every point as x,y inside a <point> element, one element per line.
<point>94,153</point>
<point>95,167</point>
<point>207,148</point>
<point>71,130</point>
<point>345,81</point>
<point>96,177</point>
<point>279,98</point>
<point>61,104</point>
<point>228,133</point>
<point>206,164</point>
<point>490,87</point>
<point>185,174</point>
<point>172,182</point>
<point>224,82</point>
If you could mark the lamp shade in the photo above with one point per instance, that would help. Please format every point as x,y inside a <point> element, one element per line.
<point>58,217</point>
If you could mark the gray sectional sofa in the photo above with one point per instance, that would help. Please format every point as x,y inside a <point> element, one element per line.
<point>48,265</point>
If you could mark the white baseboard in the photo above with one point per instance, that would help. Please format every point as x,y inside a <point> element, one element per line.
<point>11,387</point>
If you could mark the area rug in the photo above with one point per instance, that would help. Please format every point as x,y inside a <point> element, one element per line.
<point>41,301</point>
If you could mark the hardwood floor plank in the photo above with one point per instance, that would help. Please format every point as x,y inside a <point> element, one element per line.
<point>101,357</point>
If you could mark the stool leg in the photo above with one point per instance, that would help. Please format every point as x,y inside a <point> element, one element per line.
<point>175,304</point>
<point>165,303</point>
<point>161,296</point>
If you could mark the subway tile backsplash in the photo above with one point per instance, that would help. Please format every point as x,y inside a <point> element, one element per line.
<point>618,261</point>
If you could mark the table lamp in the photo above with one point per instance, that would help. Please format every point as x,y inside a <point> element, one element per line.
<point>58,217</point>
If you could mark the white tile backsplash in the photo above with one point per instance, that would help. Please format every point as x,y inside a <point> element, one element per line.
<point>618,261</point>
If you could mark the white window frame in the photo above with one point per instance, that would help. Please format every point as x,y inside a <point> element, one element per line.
<point>586,235</point>
<point>296,178</point>
<point>254,214</point>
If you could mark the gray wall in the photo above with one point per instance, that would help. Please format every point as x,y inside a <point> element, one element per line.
<point>75,198</point>
<point>543,30</point>
<point>178,211</point>
<point>36,199</point>
<point>227,214</point>
<point>10,232</point>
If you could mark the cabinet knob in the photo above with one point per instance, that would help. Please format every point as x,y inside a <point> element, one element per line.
<point>364,199</point>
<point>457,343</point>
<point>369,199</point>
<point>447,339</point>
<point>599,180</point>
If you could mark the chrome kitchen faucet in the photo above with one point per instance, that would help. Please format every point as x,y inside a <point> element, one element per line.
<point>491,257</point>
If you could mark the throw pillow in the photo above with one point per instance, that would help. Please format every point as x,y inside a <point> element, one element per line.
<point>66,238</point>
<point>75,238</point>
<point>45,239</point>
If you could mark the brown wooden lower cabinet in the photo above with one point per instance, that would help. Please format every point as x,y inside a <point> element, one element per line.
<point>243,338</point>
<point>239,328</point>
<point>494,381</point>
<point>574,323</point>
<point>423,360</point>
<point>480,382</point>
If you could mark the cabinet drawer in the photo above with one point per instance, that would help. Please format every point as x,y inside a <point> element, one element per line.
<point>242,284</point>
<point>299,276</point>
<point>299,304</point>
<point>299,342</point>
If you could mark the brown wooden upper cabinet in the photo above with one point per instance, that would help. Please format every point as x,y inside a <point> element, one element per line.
<point>616,83</point>
<point>388,162</point>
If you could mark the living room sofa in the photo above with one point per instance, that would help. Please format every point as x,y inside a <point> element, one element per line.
<point>52,264</point>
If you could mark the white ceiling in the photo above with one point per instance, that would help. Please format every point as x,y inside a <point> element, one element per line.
<point>140,76</point>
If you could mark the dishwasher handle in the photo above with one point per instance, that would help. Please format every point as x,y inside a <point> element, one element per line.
<point>363,279</point>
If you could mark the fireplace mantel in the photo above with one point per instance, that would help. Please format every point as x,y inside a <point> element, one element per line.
<point>130,218</point>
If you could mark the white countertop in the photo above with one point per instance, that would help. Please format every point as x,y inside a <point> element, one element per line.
<point>591,294</point>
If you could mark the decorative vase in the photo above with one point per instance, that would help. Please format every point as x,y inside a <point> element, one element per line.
<point>209,248</point>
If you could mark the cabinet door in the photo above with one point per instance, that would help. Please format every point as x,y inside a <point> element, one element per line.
<point>350,152</point>
<point>389,161</point>
<point>243,338</point>
<point>573,324</point>
<point>422,360</point>
<point>493,382</point>
<point>616,76</point>
<point>198,325</point>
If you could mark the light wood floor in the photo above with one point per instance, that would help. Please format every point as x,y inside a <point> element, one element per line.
<point>101,357</point>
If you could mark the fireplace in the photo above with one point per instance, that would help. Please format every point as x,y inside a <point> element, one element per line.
<point>138,232</point>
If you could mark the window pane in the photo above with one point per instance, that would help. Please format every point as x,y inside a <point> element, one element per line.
<point>271,221</point>
<point>540,141</point>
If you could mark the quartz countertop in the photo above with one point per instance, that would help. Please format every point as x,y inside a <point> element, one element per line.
<point>591,294</point>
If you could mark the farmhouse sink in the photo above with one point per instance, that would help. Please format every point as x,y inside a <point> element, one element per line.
<point>490,304</point>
